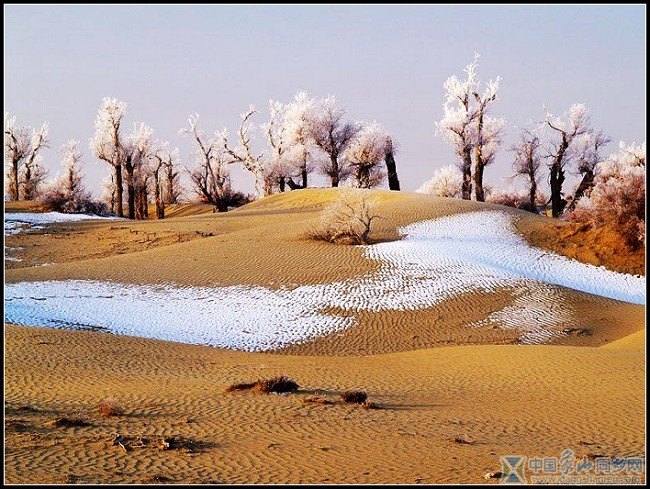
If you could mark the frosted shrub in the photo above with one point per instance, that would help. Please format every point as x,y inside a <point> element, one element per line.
<point>348,220</point>
<point>518,200</point>
<point>618,195</point>
<point>445,182</point>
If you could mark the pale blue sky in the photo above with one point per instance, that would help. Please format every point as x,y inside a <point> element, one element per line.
<point>384,63</point>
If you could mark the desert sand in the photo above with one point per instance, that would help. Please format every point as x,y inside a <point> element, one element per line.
<point>451,399</point>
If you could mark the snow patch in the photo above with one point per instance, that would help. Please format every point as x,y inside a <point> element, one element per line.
<point>436,260</point>
<point>16,222</point>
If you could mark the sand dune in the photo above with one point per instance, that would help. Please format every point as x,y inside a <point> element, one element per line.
<point>481,386</point>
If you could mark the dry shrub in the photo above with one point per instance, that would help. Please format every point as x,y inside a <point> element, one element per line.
<point>278,385</point>
<point>110,407</point>
<point>462,440</point>
<point>617,197</point>
<point>348,220</point>
<point>356,397</point>
<point>518,200</point>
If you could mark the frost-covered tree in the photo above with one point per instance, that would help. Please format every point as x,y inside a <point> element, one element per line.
<point>332,134</point>
<point>107,144</point>
<point>469,128</point>
<point>34,172</point>
<point>67,192</point>
<point>568,127</point>
<point>243,152</point>
<point>297,128</point>
<point>210,174</point>
<point>277,163</point>
<point>445,182</point>
<point>527,162</point>
<point>137,151</point>
<point>588,155</point>
<point>617,197</point>
<point>365,152</point>
<point>72,180</point>
<point>17,146</point>
<point>163,159</point>
<point>24,170</point>
<point>109,192</point>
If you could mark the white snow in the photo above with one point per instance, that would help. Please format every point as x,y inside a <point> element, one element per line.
<point>15,222</point>
<point>435,261</point>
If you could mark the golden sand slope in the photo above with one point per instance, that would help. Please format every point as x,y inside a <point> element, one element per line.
<point>503,400</point>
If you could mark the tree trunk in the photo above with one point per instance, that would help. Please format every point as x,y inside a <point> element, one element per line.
<point>467,174</point>
<point>557,179</point>
<point>393,181</point>
<point>585,184</point>
<point>479,167</point>
<point>282,183</point>
<point>27,188</point>
<point>335,170</point>
<point>292,185</point>
<point>16,189</point>
<point>119,190</point>
<point>533,194</point>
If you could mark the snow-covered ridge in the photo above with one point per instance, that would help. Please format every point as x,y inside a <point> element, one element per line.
<point>437,260</point>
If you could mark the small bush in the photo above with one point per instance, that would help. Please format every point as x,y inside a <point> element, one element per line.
<point>356,397</point>
<point>109,407</point>
<point>369,405</point>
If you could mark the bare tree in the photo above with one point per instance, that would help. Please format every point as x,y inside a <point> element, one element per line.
<point>173,189</point>
<point>527,162</point>
<point>210,174</point>
<point>107,144</point>
<point>163,159</point>
<point>332,134</point>
<point>574,123</point>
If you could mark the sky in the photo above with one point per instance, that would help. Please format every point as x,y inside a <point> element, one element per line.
<point>382,62</point>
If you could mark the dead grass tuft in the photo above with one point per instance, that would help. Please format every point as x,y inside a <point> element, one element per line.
<point>356,397</point>
<point>109,407</point>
